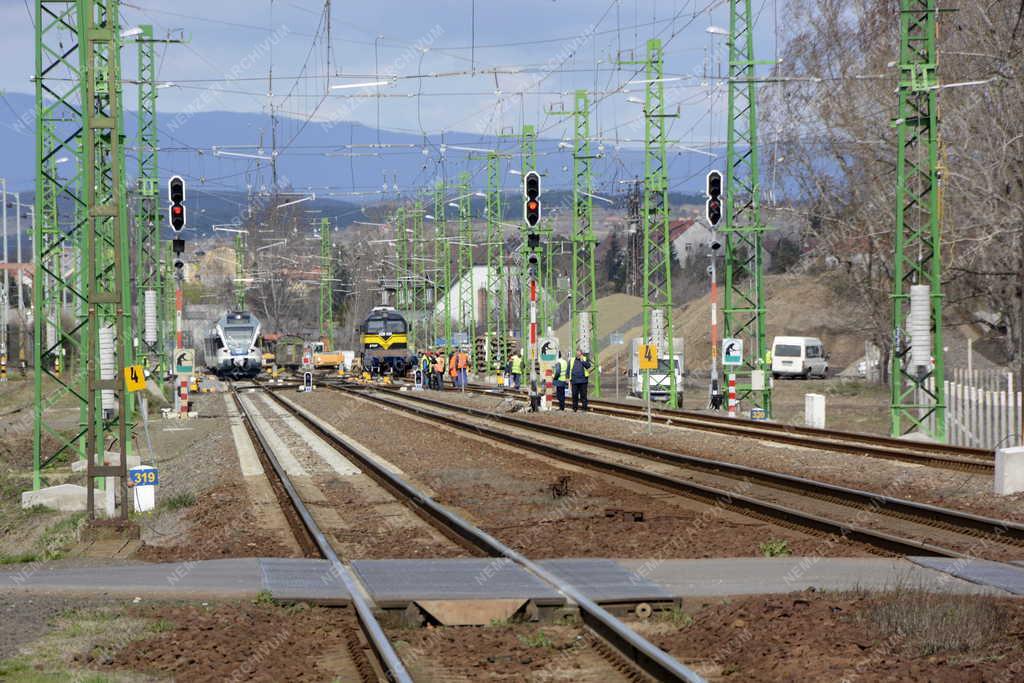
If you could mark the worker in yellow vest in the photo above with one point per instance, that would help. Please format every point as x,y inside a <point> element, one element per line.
<point>561,379</point>
<point>515,368</point>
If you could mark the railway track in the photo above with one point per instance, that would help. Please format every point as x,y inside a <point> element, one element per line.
<point>622,644</point>
<point>943,456</point>
<point>388,661</point>
<point>883,522</point>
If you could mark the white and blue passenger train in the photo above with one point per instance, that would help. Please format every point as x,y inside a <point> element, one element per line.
<point>231,346</point>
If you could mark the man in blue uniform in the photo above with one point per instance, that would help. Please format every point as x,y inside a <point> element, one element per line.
<point>580,378</point>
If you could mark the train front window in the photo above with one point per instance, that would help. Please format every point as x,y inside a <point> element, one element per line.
<point>396,326</point>
<point>238,335</point>
<point>374,326</point>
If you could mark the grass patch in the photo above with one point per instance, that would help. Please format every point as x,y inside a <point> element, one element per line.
<point>264,598</point>
<point>52,544</point>
<point>845,388</point>
<point>20,558</point>
<point>775,548</point>
<point>22,671</point>
<point>928,623</point>
<point>676,616</point>
<point>161,626</point>
<point>76,631</point>
<point>180,501</point>
<point>538,640</point>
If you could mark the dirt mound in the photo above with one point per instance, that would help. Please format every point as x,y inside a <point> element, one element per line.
<point>614,312</point>
<point>220,524</point>
<point>903,635</point>
<point>243,642</point>
<point>797,305</point>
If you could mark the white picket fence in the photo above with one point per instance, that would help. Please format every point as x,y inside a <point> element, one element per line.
<point>984,409</point>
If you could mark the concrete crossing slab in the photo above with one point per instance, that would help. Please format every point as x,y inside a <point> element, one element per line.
<point>236,578</point>
<point>753,575</point>
<point>395,583</point>
<point>247,458</point>
<point>607,580</point>
<point>281,450</point>
<point>1004,576</point>
<point>305,580</point>
<point>318,446</point>
<point>398,582</point>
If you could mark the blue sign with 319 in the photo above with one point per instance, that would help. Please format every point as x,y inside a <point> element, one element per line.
<point>147,477</point>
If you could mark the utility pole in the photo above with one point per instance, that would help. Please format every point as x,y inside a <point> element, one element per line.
<point>239,272</point>
<point>59,100</point>
<point>403,295</point>
<point>149,280</point>
<point>467,287</point>
<point>443,267</point>
<point>658,327</point>
<point>583,284</point>
<point>634,237</point>
<point>326,282</point>
<point>105,231</point>
<point>7,281</point>
<point>744,307</point>
<point>19,282</point>
<point>918,368</point>
<point>496,286</point>
<point>418,268</point>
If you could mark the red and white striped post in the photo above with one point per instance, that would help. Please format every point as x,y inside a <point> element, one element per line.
<point>183,395</point>
<point>179,314</point>
<point>535,403</point>
<point>732,395</point>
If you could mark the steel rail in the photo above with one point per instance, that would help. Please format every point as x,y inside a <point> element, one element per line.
<point>944,456</point>
<point>922,513</point>
<point>925,513</point>
<point>709,494</point>
<point>385,652</point>
<point>645,655</point>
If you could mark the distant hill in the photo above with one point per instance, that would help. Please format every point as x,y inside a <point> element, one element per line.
<point>316,155</point>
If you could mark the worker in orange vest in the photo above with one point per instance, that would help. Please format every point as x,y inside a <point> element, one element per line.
<point>462,368</point>
<point>437,377</point>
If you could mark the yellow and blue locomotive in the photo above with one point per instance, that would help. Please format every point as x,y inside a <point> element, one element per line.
<point>384,337</point>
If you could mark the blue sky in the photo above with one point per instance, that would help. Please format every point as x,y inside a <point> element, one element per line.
<point>443,69</point>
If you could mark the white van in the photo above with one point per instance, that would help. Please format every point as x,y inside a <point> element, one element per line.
<point>661,381</point>
<point>799,357</point>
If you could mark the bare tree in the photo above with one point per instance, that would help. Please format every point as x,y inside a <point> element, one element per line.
<point>836,151</point>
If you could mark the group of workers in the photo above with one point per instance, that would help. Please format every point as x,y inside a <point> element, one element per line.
<point>575,375</point>
<point>434,364</point>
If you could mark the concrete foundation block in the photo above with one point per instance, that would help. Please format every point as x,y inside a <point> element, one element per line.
<point>111,459</point>
<point>1009,478</point>
<point>63,497</point>
<point>814,410</point>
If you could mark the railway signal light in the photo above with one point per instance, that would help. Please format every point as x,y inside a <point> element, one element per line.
<point>531,189</point>
<point>713,208</point>
<point>176,194</point>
